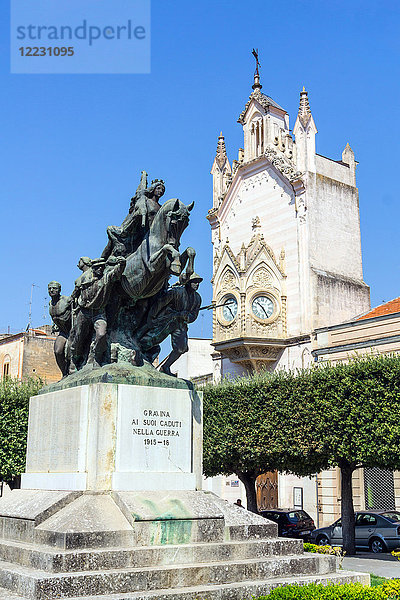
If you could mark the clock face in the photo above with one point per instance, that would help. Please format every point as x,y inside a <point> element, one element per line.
<point>229,309</point>
<point>262,307</point>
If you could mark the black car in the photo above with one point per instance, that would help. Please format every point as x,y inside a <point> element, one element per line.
<point>291,522</point>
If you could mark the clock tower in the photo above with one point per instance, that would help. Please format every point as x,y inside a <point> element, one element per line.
<point>286,240</point>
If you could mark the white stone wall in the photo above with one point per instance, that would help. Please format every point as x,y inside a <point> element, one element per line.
<point>297,356</point>
<point>286,483</point>
<point>228,487</point>
<point>231,370</point>
<point>337,299</point>
<point>334,170</point>
<point>334,222</point>
<point>197,361</point>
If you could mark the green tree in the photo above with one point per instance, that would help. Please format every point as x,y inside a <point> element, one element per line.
<point>232,423</point>
<point>14,408</point>
<point>242,430</point>
<point>346,416</point>
<point>359,404</point>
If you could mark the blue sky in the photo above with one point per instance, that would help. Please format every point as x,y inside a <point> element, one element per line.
<point>72,146</point>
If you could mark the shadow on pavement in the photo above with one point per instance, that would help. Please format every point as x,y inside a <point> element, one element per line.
<point>382,556</point>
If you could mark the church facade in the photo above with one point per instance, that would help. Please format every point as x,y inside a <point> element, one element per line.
<point>286,248</point>
<point>286,241</point>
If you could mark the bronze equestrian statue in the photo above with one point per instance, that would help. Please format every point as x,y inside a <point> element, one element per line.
<point>122,305</point>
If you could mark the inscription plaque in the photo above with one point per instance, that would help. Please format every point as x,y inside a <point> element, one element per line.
<point>154,432</point>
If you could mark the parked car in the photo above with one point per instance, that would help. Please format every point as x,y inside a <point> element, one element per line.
<point>378,530</point>
<point>291,522</point>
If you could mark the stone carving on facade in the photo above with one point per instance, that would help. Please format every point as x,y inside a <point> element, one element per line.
<point>284,166</point>
<point>238,272</point>
<point>222,173</point>
<point>262,277</point>
<point>282,260</point>
<point>228,331</point>
<point>255,180</point>
<point>226,250</point>
<point>284,315</point>
<point>256,246</point>
<point>263,100</point>
<point>221,156</point>
<point>274,329</point>
<point>253,355</point>
<point>260,366</point>
<point>228,281</point>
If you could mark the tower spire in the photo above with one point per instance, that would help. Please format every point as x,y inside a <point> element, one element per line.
<point>256,85</point>
<point>304,108</point>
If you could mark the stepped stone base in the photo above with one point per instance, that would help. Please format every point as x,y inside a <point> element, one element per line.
<point>145,546</point>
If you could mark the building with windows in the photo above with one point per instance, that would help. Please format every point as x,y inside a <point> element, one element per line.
<point>286,249</point>
<point>29,354</point>
<point>377,331</point>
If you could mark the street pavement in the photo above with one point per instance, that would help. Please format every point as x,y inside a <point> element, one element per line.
<point>384,565</point>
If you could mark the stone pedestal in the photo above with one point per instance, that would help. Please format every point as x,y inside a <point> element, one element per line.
<point>112,508</point>
<point>114,437</point>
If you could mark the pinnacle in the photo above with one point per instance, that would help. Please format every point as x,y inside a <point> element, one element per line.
<point>221,151</point>
<point>348,154</point>
<point>304,107</point>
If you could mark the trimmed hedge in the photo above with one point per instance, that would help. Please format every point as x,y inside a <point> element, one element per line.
<point>14,408</point>
<point>348,591</point>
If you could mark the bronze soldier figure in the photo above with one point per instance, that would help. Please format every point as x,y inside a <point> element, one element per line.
<point>60,312</point>
<point>84,264</point>
<point>170,315</point>
<point>91,314</point>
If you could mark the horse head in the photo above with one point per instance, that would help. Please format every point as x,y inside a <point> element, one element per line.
<point>173,218</point>
<point>148,268</point>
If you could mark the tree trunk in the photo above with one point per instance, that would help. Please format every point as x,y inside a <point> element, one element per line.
<point>249,481</point>
<point>348,525</point>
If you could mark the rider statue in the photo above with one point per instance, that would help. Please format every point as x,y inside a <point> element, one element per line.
<point>144,206</point>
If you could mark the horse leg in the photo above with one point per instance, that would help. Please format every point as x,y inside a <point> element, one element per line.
<point>187,257</point>
<point>160,255</point>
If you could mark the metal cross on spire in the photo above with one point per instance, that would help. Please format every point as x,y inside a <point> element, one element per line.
<point>257,84</point>
<point>255,54</point>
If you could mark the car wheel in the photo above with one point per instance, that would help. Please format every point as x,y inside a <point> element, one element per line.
<point>323,540</point>
<point>376,545</point>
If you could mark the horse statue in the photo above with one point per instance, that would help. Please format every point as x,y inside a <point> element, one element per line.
<point>148,269</point>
